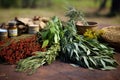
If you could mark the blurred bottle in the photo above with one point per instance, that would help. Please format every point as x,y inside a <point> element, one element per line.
<point>12,29</point>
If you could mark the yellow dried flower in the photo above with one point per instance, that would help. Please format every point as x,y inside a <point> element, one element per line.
<point>91,34</point>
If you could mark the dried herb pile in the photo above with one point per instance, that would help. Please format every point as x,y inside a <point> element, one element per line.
<point>20,50</point>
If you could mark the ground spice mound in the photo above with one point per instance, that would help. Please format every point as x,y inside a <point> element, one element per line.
<point>20,50</point>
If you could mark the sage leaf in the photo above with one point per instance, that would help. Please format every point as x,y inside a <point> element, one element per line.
<point>108,68</point>
<point>86,61</point>
<point>103,63</point>
<point>92,60</point>
<point>88,52</point>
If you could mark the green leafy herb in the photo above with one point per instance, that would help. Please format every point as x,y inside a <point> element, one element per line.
<point>45,43</point>
<point>74,48</point>
<point>30,64</point>
<point>50,34</point>
<point>89,53</point>
<point>76,15</point>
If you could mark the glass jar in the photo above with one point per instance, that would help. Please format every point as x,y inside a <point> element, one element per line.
<point>33,29</point>
<point>12,29</point>
<point>3,34</point>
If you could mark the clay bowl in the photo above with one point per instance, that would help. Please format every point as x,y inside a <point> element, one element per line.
<point>81,28</point>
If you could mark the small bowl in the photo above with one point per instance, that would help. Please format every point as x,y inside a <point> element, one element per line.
<point>81,28</point>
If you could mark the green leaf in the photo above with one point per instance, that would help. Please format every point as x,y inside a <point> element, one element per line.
<point>45,43</point>
<point>75,51</point>
<point>71,53</point>
<point>95,49</point>
<point>44,34</point>
<point>103,63</point>
<point>109,61</point>
<point>52,29</point>
<point>88,52</point>
<point>76,46</point>
<point>83,47</point>
<point>92,60</point>
<point>56,38</point>
<point>102,46</point>
<point>108,68</point>
<point>86,61</point>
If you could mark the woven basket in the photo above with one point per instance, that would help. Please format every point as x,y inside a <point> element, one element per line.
<point>81,29</point>
<point>112,36</point>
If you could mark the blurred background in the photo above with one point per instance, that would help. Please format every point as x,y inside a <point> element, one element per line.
<point>101,11</point>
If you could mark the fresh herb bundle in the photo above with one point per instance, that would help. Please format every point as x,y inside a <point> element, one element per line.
<point>85,52</point>
<point>50,34</point>
<point>31,64</point>
<point>50,38</point>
